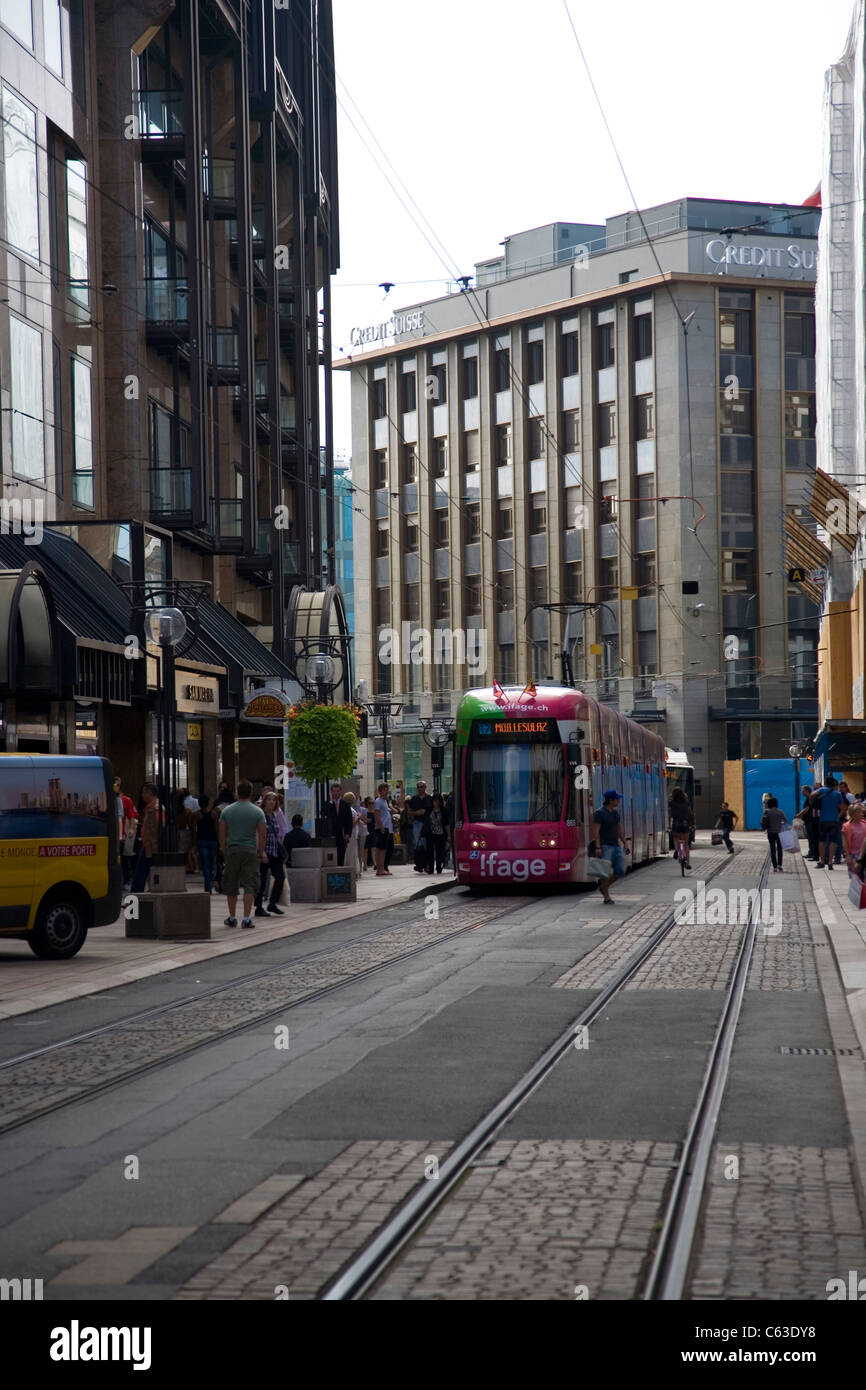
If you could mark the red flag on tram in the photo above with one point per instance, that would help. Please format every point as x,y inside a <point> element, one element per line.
<point>498,692</point>
<point>529,689</point>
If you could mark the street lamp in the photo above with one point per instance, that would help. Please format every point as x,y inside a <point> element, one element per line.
<point>382,709</point>
<point>437,734</point>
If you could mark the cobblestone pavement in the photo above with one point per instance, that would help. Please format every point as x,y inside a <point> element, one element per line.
<point>305,1239</point>
<point>600,965</point>
<point>786,961</point>
<point>33,1086</point>
<point>782,1228</point>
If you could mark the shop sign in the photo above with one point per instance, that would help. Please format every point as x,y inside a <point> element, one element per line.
<point>196,694</point>
<point>398,323</point>
<point>791,257</point>
<point>267,707</point>
<point>193,733</point>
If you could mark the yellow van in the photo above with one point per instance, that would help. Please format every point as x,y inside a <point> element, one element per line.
<point>60,870</point>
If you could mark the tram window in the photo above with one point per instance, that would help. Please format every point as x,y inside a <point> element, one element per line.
<point>515,783</point>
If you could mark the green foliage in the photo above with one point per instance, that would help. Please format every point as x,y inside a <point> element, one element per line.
<point>323,741</point>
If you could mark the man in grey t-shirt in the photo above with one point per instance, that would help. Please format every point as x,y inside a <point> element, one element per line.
<point>384,831</point>
<point>242,833</point>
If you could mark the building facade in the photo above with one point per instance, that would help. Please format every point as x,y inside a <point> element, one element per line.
<point>168,201</point>
<point>611,420</point>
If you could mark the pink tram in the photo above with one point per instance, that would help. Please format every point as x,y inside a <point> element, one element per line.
<point>529,773</point>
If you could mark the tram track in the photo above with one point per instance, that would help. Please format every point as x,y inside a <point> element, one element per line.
<point>47,1079</point>
<point>673,1249</point>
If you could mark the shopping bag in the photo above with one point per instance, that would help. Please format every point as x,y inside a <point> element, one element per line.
<point>717,838</point>
<point>787,838</point>
<point>856,890</point>
<point>799,829</point>
<point>599,868</point>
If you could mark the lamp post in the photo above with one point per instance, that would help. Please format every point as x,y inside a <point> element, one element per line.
<point>382,709</point>
<point>314,665</point>
<point>438,733</point>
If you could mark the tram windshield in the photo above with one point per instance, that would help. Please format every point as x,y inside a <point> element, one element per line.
<point>514,782</point>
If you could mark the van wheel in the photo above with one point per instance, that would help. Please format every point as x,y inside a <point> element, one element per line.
<point>60,930</point>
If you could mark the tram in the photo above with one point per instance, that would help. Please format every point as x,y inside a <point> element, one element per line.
<point>679,773</point>
<point>530,771</point>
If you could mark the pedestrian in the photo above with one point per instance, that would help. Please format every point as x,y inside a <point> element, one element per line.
<point>610,843</point>
<point>224,796</point>
<point>772,821</point>
<point>680,822</point>
<point>276,831</point>
<point>150,818</point>
<point>726,823</point>
<point>828,800</point>
<point>810,824</point>
<point>371,831</point>
<point>854,835</point>
<point>417,810</point>
<point>847,801</point>
<point>353,853</point>
<point>186,830</point>
<point>127,830</point>
<point>339,820</point>
<point>297,838</point>
<point>206,840</point>
<point>384,831</point>
<point>190,802</point>
<point>434,834</point>
<point>242,835</point>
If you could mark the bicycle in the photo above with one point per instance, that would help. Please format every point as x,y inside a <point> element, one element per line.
<point>680,852</point>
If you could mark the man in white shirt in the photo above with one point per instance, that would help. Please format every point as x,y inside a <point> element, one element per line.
<point>384,831</point>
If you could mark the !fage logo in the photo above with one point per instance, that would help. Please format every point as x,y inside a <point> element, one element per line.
<point>492,866</point>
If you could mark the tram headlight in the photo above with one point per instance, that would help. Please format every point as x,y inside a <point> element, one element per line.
<point>479,844</point>
<point>547,842</point>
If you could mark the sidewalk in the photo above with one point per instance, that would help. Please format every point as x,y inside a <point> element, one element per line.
<point>108,959</point>
<point>846,928</point>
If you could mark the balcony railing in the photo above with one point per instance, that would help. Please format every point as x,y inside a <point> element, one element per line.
<point>287,413</point>
<point>160,115</point>
<point>170,491</point>
<point>224,352</point>
<point>219,178</point>
<point>166,300</point>
<point>228,517</point>
<point>264,538</point>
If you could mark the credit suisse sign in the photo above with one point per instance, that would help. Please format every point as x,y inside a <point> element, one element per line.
<point>397,323</point>
<point>790,257</point>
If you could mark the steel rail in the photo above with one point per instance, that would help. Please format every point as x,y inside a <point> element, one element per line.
<point>670,1267</point>
<point>367,1267</point>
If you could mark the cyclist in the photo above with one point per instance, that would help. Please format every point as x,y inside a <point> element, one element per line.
<point>681,821</point>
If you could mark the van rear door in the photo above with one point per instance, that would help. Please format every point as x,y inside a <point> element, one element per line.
<point>17,845</point>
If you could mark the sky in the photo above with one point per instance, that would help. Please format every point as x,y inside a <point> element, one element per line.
<point>485,111</point>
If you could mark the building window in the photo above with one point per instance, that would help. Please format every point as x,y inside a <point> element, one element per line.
<point>502,445</point>
<point>644,417</point>
<point>441,599</point>
<point>505,591</point>
<point>534,363</point>
<point>538,585</point>
<point>17,17</point>
<point>799,415</point>
<point>538,519</point>
<point>506,664</point>
<point>645,573</point>
<point>799,330</point>
<point>28,432</point>
<point>573,588</point>
<point>540,660</point>
<point>82,435</point>
<point>647,653</point>
<point>735,416</point>
<point>440,458</point>
<point>471,451</point>
<point>379,395</point>
<point>501,369</point>
<point>52,32</point>
<point>505,520</point>
<point>57,368</point>
<point>642,336</point>
<point>473,522</point>
<point>380,468</point>
<point>644,489</point>
<point>441,528</point>
<point>469,381</point>
<point>21,186</point>
<point>472,589</point>
<point>76,231</point>
<point>382,538</point>
<point>413,602</point>
<point>604,345</point>
<point>535,438</point>
<point>738,571</point>
<point>437,384</point>
<point>568,346</point>
<point>571,432</point>
<point>606,424</point>
<point>735,327</point>
<point>408,392</point>
<point>409,463</point>
<point>608,575</point>
<point>411,535</point>
<point>383,660</point>
<point>573,513</point>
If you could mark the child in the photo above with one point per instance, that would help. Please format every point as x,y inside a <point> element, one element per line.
<point>726,823</point>
<point>772,821</point>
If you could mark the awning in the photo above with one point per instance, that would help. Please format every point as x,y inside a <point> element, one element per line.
<point>842,742</point>
<point>805,552</point>
<point>831,500</point>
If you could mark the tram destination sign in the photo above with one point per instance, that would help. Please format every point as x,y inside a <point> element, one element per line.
<point>513,730</point>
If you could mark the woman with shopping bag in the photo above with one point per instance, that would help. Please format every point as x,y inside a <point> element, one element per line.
<point>776,823</point>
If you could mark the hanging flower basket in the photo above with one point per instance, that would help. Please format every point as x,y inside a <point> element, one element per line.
<point>323,740</point>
